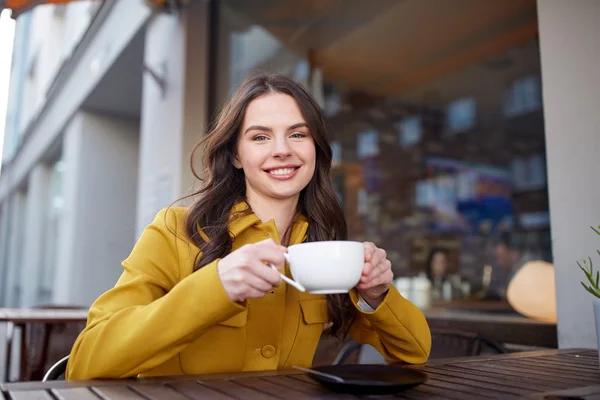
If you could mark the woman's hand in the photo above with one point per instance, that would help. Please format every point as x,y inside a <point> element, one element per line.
<point>245,275</point>
<point>376,276</point>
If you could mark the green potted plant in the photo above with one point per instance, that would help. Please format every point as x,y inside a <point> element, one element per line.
<point>593,286</point>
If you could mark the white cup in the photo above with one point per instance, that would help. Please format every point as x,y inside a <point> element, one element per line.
<point>325,267</point>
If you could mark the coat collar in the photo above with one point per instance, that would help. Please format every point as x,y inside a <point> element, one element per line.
<point>240,220</point>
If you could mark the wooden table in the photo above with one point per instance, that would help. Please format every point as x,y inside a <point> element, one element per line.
<point>513,329</point>
<point>18,317</point>
<point>539,374</point>
<point>476,305</point>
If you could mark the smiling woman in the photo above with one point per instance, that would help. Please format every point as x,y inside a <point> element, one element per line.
<point>200,271</point>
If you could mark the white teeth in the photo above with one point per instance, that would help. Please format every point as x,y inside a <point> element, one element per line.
<point>281,171</point>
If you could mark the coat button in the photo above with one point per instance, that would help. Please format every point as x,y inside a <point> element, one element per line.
<point>268,351</point>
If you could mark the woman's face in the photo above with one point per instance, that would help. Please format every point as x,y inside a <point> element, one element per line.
<point>275,148</point>
<point>439,264</point>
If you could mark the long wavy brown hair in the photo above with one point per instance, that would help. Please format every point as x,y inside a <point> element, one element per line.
<point>224,185</point>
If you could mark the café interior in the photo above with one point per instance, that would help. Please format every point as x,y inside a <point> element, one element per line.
<point>437,129</point>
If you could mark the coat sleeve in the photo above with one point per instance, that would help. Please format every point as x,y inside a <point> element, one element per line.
<point>396,328</point>
<point>150,315</point>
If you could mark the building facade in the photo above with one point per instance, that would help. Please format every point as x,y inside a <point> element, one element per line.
<point>453,124</point>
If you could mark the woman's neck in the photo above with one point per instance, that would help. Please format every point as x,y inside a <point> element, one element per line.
<point>281,211</point>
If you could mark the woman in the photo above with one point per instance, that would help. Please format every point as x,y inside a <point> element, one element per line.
<point>195,295</point>
<point>436,268</point>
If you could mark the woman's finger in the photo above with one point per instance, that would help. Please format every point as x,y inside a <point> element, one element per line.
<point>369,251</point>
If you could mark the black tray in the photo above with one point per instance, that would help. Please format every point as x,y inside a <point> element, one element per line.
<point>369,379</point>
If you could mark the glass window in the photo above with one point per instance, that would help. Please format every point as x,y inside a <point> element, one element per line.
<point>409,131</point>
<point>368,144</point>
<point>461,115</point>
<point>398,81</point>
<point>523,96</point>
<point>336,149</point>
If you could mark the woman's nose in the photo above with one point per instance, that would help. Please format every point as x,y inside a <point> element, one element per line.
<point>282,149</point>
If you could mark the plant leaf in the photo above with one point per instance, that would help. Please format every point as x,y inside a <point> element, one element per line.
<point>590,290</point>
<point>595,230</point>
<point>585,271</point>
<point>597,279</point>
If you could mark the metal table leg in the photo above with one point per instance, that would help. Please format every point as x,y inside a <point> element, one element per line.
<point>10,331</point>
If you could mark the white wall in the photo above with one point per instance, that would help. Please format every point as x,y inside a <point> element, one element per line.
<point>115,25</point>
<point>172,124</point>
<point>97,230</point>
<point>52,38</point>
<point>570,54</point>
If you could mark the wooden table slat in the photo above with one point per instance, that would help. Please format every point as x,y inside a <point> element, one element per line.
<point>74,394</point>
<point>586,392</point>
<point>320,391</point>
<point>433,391</point>
<point>284,392</point>
<point>31,395</point>
<point>194,390</point>
<point>156,391</point>
<point>297,384</point>
<point>471,392</point>
<point>231,388</point>
<point>116,392</point>
<point>508,356</point>
<point>542,375</point>
<point>515,386</point>
<point>529,371</point>
<point>514,377</point>
<point>586,353</point>
<point>573,362</point>
<point>478,385</point>
<point>571,366</point>
<point>540,366</point>
<point>583,358</point>
<point>518,370</point>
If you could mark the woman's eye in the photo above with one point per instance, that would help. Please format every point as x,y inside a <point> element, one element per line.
<point>259,138</point>
<point>298,135</point>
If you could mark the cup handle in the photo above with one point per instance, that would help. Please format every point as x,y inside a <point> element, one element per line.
<point>286,279</point>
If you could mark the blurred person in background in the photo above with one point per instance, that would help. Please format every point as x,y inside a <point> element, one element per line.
<point>437,266</point>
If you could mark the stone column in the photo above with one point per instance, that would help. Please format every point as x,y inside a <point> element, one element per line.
<point>97,230</point>
<point>570,55</point>
<point>174,117</point>
<point>36,209</point>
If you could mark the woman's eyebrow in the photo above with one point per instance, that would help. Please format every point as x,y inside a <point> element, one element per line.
<point>267,129</point>
<point>298,125</point>
<point>258,128</point>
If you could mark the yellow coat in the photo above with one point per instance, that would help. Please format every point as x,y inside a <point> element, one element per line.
<point>161,318</point>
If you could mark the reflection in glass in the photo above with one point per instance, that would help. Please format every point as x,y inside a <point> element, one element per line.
<point>435,107</point>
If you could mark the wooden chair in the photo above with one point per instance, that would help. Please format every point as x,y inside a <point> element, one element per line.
<point>44,344</point>
<point>57,370</point>
<point>445,343</point>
